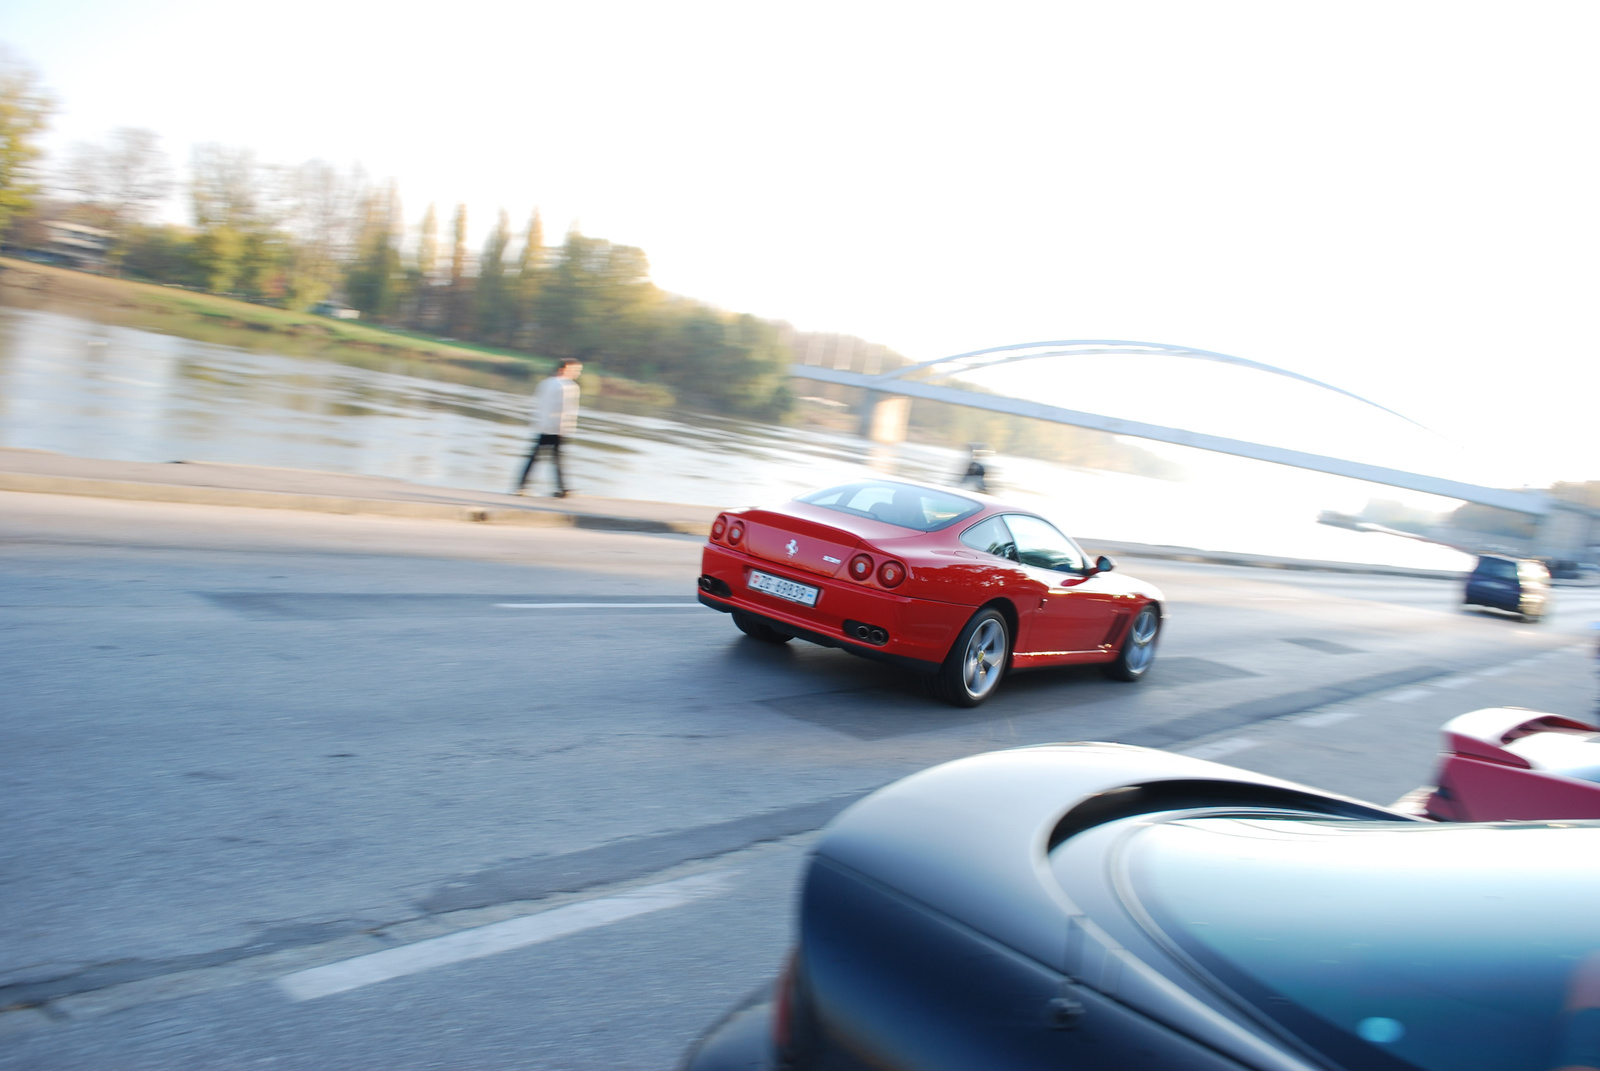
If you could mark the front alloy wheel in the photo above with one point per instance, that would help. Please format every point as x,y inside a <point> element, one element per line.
<point>977,660</point>
<point>1138,649</point>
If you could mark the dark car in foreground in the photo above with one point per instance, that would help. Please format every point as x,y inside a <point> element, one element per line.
<point>1105,907</point>
<point>957,586</point>
<point>1518,586</point>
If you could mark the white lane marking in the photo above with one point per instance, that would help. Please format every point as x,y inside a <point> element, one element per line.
<point>1452,682</point>
<point>1407,696</point>
<point>495,938</point>
<point>597,605</point>
<point>1332,717</point>
<point>1219,748</point>
<point>1494,671</point>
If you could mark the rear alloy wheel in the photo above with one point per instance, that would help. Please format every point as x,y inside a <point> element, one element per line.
<point>1138,649</point>
<point>977,660</point>
<point>759,630</point>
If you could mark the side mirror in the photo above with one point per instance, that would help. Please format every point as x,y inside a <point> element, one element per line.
<point>1104,564</point>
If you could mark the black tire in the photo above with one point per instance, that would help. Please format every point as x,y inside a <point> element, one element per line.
<point>977,660</point>
<point>1138,651</point>
<point>759,630</point>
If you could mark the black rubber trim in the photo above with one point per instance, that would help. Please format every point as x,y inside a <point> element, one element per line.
<point>916,665</point>
<point>1194,793</point>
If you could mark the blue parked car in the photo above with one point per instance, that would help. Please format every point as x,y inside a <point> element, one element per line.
<point>1519,587</point>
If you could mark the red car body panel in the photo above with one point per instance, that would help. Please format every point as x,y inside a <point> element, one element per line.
<point>1510,764</point>
<point>1059,618</point>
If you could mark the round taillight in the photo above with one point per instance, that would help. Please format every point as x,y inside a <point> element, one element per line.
<point>860,567</point>
<point>890,574</point>
<point>735,533</point>
<point>719,526</point>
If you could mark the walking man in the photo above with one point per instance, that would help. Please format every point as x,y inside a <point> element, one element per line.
<point>555,415</point>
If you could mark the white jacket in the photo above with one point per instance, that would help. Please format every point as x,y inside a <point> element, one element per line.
<point>556,407</point>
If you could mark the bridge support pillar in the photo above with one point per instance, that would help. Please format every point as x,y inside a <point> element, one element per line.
<point>884,417</point>
<point>1565,533</point>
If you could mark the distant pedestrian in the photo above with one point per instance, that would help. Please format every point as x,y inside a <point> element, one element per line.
<point>555,417</point>
<point>976,478</point>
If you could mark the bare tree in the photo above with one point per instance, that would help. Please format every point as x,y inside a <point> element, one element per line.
<point>125,177</point>
<point>322,212</point>
<point>225,187</point>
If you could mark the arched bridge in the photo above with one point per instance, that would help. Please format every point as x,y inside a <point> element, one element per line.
<point>909,382</point>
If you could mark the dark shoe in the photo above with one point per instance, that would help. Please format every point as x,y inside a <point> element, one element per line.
<point>560,494</point>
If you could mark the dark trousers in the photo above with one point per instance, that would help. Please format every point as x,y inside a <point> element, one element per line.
<point>539,444</point>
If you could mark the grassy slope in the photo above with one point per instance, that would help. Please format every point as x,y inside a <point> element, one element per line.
<point>184,312</point>
<point>226,321</point>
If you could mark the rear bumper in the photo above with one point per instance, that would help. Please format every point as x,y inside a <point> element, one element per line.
<point>799,632</point>
<point>920,630</point>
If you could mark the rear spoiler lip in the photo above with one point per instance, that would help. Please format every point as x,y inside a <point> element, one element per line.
<point>1483,734</point>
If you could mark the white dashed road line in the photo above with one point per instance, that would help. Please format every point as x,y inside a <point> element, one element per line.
<point>1332,717</point>
<point>1495,671</point>
<point>597,605</point>
<point>1407,696</point>
<point>498,937</point>
<point>1219,748</point>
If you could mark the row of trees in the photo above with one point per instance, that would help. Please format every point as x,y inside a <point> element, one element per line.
<point>298,236</point>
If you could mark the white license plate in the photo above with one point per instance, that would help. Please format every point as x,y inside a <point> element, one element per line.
<point>783,589</point>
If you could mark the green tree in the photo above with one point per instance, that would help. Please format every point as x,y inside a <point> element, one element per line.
<point>421,276</point>
<point>24,113</point>
<point>225,197</point>
<point>162,253</point>
<point>595,303</point>
<point>530,280</point>
<point>458,300</point>
<point>374,278</point>
<point>734,364</point>
<point>495,295</point>
<point>324,213</point>
<point>218,255</point>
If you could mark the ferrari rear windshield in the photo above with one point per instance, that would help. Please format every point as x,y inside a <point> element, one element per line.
<point>1388,945</point>
<point>905,505</point>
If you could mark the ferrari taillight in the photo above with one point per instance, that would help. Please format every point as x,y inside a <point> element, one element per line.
<point>860,567</point>
<point>891,573</point>
<point>735,533</point>
<point>719,526</point>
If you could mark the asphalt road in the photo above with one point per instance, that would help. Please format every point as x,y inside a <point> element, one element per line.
<point>309,791</point>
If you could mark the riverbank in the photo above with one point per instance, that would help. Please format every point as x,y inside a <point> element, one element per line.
<point>225,321</point>
<point>260,487</point>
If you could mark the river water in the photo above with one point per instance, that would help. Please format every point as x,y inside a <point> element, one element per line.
<point>77,386</point>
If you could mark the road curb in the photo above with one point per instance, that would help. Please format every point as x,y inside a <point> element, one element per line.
<point>131,490</point>
<point>542,517</point>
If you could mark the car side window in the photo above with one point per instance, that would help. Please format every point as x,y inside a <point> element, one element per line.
<point>992,537</point>
<point>1039,544</point>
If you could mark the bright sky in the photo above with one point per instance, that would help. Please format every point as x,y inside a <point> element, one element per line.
<point>1395,197</point>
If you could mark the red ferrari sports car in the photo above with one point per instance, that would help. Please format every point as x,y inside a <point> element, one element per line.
<point>959,586</point>
<point>1508,763</point>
